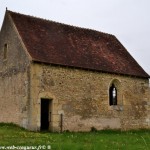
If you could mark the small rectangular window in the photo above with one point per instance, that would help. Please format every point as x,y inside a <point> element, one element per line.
<point>5,51</point>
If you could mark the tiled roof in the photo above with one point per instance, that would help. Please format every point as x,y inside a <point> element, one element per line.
<point>56,43</point>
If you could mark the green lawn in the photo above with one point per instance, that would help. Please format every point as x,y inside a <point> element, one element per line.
<point>110,140</point>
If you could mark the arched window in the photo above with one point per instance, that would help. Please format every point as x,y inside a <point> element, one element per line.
<point>112,95</point>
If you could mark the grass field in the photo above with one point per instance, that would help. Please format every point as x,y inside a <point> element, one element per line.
<point>11,135</point>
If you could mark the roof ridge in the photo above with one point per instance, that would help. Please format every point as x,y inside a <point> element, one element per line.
<point>60,23</point>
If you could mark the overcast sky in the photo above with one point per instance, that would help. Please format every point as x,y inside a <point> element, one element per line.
<point>128,20</point>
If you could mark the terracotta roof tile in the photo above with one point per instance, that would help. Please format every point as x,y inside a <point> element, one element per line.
<point>56,43</point>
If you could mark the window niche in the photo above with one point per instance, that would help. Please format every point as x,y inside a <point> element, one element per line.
<point>115,94</point>
<point>5,51</point>
<point>112,95</point>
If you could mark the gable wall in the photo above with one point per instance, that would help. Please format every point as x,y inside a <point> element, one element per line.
<point>82,97</point>
<point>13,77</point>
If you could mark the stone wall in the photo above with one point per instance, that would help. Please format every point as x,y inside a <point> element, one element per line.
<point>14,74</point>
<point>82,97</point>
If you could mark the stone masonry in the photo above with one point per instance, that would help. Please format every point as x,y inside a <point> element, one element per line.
<point>14,78</point>
<point>82,97</point>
